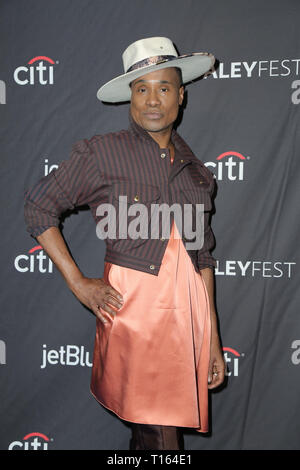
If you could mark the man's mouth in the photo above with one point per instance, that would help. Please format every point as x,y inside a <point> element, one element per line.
<point>153,115</point>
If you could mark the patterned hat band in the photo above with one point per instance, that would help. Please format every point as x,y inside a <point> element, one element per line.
<point>157,59</point>
<point>150,54</point>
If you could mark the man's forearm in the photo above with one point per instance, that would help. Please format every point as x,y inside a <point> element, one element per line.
<point>53,243</point>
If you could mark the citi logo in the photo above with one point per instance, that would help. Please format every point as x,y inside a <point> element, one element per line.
<point>2,352</point>
<point>32,441</point>
<point>36,260</point>
<point>2,92</point>
<point>232,358</point>
<point>229,166</point>
<point>39,70</point>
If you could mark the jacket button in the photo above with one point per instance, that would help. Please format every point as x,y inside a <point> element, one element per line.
<point>162,239</point>
<point>163,155</point>
<point>136,198</point>
<point>182,161</point>
<point>151,266</point>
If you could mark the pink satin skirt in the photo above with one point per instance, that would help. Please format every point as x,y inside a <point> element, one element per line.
<point>151,360</point>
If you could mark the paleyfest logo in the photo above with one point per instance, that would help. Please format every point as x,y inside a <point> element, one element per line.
<point>256,69</point>
<point>39,70</point>
<point>32,441</point>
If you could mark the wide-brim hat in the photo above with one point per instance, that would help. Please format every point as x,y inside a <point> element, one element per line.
<point>148,55</point>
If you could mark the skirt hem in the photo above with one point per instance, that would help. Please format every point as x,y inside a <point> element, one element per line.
<point>197,428</point>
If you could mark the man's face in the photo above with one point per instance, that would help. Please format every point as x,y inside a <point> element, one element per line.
<point>155,99</point>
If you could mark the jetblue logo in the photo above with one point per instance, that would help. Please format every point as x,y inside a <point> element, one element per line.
<point>69,355</point>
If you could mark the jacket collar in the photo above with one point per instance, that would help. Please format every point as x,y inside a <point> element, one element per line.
<point>180,145</point>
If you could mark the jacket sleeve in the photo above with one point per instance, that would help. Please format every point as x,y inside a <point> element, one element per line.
<point>75,182</point>
<point>205,259</point>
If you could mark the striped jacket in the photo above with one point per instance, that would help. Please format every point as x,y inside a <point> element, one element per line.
<point>129,163</point>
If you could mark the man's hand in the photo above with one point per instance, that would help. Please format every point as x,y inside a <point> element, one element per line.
<point>216,364</point>
<point>95,293</point>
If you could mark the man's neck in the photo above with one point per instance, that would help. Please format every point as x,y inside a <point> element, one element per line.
<point>163,138</point>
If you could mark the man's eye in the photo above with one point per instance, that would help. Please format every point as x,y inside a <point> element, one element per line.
<point>141,89</point>
<point>164,89</point>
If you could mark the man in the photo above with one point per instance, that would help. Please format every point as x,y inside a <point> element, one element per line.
<point>157,349</point>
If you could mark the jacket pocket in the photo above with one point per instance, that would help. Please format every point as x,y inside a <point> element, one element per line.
<point>135,192</point>
<point>197,196</point>
<point>195,219</point>
<point>133,204</point>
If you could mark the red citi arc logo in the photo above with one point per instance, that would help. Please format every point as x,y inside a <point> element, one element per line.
<point>39,70</point>
<point>32,441</point>
<point>229,166</point>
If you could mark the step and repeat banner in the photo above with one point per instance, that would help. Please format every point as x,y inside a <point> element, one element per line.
<point>242,121</point>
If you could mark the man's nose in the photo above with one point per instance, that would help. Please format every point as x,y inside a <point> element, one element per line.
<point>153,98</point>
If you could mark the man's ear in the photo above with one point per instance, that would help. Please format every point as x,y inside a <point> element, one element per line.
<point>181,94</point>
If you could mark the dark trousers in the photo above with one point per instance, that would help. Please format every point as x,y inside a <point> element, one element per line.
<point>146,436</point>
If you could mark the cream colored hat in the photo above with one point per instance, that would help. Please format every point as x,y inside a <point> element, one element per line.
<point>150,54</point>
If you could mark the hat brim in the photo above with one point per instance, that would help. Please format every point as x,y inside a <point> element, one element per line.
<point>192,66</point>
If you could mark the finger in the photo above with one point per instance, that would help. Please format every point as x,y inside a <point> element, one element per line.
<point>102,309</point>
<point>217,380</point>
<point>220,370</point>
<point>210,376</point>
<point>114,293</point>
<point>212,383</point>
<point>108,309</point>
<point>111,300</point>
<point>99,315</point>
